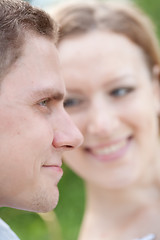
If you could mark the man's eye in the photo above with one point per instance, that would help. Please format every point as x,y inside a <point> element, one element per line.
<point>72,102</point>
<point>44,102</point>
<point>120,92</point>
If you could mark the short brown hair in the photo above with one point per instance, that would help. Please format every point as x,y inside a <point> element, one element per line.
<point>17,18</point>
<point>122,18</point>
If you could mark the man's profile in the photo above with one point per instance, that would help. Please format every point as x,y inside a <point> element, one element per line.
<point>34,128</point>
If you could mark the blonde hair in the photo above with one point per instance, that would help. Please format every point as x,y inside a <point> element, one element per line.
<point>119,17</point>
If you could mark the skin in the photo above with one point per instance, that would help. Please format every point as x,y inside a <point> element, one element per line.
<point>34,128</point>
<point>113,98</point>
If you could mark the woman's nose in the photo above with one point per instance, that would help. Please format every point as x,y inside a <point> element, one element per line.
<point>102,121</point>
<point>66,135</point>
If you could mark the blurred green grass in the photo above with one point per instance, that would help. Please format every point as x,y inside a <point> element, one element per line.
<point>152,9</point>
<point>27,225</point>
<point>71,204</point>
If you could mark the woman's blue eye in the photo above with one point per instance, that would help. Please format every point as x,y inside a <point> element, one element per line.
<point>120,92</point>
<point>72,102</point>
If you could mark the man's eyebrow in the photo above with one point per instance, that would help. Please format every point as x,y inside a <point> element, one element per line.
<point>48,93</point>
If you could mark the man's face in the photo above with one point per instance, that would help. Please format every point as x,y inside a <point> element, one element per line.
<point>34,129</point>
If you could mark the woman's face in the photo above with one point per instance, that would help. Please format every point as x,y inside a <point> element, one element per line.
<point>113,99</point>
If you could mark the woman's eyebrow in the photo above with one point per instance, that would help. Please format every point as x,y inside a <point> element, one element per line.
<point>123,77</point>
<point>74,90</point>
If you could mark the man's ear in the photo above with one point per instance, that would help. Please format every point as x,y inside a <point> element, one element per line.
<point>156,86</point>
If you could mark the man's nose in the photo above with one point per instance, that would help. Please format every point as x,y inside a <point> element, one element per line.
<point>67,135</point>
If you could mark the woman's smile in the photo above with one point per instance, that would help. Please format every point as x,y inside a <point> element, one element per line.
<point>110,151</point>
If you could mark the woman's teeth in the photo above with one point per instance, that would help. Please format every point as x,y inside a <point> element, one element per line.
<point>109,149</point>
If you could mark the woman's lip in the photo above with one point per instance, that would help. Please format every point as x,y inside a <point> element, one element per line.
<point>111,151</point>
<point>108,144</point>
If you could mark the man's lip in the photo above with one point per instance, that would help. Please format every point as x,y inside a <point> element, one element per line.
<point>53,170</point>
<point>52,165</point>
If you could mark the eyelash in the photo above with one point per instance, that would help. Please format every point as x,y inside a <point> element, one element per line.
<point>72,102</point>
<point>122,91</point>
<point>44,102</point>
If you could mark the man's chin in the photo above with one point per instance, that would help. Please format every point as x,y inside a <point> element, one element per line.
<point>42,202</point>
<point>49,203</point>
